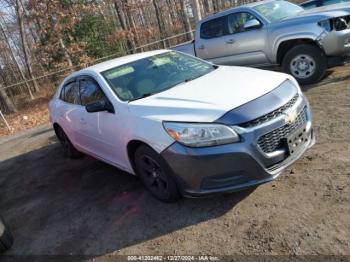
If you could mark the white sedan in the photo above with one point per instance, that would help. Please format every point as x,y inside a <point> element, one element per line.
<point>186,127</point>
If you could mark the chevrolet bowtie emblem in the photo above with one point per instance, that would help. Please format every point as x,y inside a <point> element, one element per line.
<point>291,117</point>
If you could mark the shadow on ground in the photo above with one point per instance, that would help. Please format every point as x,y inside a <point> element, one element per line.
<point>330,78</point>
<point>60,206</point>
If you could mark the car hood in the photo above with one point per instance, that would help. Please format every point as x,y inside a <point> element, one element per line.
<point>207,98</point>
<point>321,13</point>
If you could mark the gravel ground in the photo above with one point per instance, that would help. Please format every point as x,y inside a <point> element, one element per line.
<point>59,206</point>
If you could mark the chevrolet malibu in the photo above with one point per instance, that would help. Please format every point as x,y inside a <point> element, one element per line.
<point>186,127</point>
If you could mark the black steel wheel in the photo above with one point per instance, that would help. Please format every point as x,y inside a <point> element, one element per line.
<point>6,238</point>
<point>155,174</point>
<point>68,148</point>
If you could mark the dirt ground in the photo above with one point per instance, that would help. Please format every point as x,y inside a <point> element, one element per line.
<point>59,206</point>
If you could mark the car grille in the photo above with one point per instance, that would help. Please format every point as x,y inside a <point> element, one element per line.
<point>271,141</point>
<point>271,115</point>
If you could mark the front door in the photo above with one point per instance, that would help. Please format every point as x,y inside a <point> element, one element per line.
<point>225,41</point>
<point>245,46</point>
<point>101,129</point>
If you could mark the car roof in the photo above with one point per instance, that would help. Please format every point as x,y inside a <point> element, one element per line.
<point>224,12</point>
<point>121,61</point>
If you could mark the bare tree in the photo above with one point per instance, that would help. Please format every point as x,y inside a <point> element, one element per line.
<point>7,101</point>
<point>196,7</point>
<point>15,61</point>
<point>132,26</point>
<point>185,20</point>
<point>26,54</point>
<point>160,23</point>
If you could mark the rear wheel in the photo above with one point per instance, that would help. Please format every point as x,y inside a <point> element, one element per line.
<point>155,174</point>
<point>68,148</point>
<point>307,63</point>
<point>6,238</point>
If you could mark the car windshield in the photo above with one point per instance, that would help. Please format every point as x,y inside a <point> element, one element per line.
<point>154,74</point>
<point>278,10</point>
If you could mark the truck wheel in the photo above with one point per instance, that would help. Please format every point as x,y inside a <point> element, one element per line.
<point>155,174</point>
<point>6,239</point>
<point>68,148</point>
<point>307,63</point>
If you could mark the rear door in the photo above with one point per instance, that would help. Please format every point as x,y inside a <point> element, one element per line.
<point>70,109</point>
<point>101,129</point>
<point>211,41</point>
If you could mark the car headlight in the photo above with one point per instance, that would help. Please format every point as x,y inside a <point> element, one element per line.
<point>201,135</point>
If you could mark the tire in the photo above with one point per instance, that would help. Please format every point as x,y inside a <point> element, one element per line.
<point>307,63</point>
<point>68,149</point>
<point>155,174</point>
<point>6,238</point>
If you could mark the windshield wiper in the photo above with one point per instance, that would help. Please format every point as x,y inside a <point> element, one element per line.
<point>143,96</point>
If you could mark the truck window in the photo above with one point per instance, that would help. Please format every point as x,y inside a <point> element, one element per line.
<point>213,28</point>
<point>236,22</point>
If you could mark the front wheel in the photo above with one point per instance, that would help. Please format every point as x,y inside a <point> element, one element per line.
<point>6,238</point>
<point>307,63</point>
<point>155,174</point>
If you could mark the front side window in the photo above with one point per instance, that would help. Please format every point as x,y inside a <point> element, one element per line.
<point>213,28</point>
<point>154,74</point>
<point>71,93</point>
<point>278,10</point>
<point>237,21</point>
<point>90,92</point>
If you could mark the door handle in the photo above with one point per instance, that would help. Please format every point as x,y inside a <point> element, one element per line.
<point>201,47</point>
<point>230,42</point>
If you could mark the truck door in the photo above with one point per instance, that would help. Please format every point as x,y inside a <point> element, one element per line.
<point>240,45</point>
<point>210,41</point>
<point>246,39</point>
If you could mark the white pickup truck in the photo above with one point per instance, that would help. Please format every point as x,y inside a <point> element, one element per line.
<point>278,33</point>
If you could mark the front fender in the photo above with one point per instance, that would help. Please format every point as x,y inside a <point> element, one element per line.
<point>292,36</point>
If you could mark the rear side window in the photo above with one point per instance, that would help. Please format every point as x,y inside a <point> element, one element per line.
<point>90,92</point>
<point>213,28</point>
<point>70,93</point>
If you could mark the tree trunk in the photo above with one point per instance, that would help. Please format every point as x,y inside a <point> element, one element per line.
<point>27,16</point>
<point>172,11</point>
<point>10,107</point>
<point>120,14</point>
<point>15,61</point>
<point>132,25</point>
<point>121,17</point>
<point>206,7</point>
<point>160,24</point>
<point>215,6</point>
<point>197,10</point>
<point>186,20</point>
<point>65,52</point>
<point>27,57</point>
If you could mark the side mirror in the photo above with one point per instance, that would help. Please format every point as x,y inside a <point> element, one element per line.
<point>252,24</point>
<point>100,106</point>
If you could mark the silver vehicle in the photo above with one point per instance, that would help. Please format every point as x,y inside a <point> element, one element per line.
<point>317,3</point>
<point>303,42</point>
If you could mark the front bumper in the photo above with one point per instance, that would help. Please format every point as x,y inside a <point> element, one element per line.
<point>237,166</point>
<point>336,43</point>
